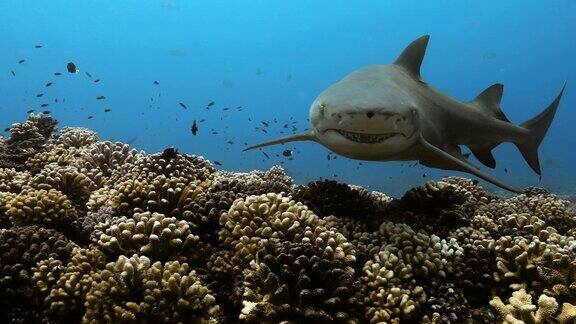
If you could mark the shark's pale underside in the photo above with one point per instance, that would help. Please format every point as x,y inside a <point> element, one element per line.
<point>388,113</point>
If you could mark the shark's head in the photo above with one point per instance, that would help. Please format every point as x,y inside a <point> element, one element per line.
<point>366,116</point>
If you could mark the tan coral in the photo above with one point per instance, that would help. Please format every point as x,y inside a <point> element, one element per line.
<point>521,310</point>
<point>164,293</point>
<point>76,137</point>
<point>151,234</point>
<point>12,180</point>
<point>66,179</point>
<point>48,208</point>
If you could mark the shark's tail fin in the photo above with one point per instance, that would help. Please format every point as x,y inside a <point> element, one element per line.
<point>537,128</point>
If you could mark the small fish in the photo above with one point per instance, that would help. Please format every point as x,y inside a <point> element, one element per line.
<point>217,163</point>
<point>194,128</point>
<point>55,99</point>
<point>46,112</point>
<point>44,105</point>
<point>202,120</point>
<point>88,74</point>
<point>249,119</point>
<point>107,110</point>
<point>48,84</point>
<point>100,98</point>
<point>21,61</point>
<point>39,95</point>
<point>475,182</point>
<point>505,170</point>
<point>13,74</point>
<point>38,46</point>
<point>57,73</point>
<point>214,133</point>
<point>225,109</point>
<point>210,104</point>
<point>266,155</point>
<point>71,67</point>
<point>90,117</point>
<point>328,156</point>
<point>156,83</point>
<point>30,111</point>
<point>7,129</point>
<point>182,105</point>
<point>424,175</point>
<point>265,131</point>
<point>230,142</point>
<point>265,123</point>
<point>287,153</point>
<point>97,80</point>
<point>285,126</point>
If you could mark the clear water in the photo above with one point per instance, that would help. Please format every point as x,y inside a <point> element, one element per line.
<point>273,58</point>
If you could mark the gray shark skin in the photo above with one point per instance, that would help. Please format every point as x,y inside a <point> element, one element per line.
<point>388,113</point>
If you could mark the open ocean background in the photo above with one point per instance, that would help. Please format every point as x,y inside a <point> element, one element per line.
<point>273,58</point>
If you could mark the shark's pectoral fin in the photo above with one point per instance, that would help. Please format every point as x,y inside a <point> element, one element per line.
<point>461,164</point>
<point>305,136</point>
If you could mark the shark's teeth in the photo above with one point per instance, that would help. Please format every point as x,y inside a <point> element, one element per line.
<point>366,138</point>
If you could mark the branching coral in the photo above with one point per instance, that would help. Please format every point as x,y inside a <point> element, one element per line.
<point>76,137</point>
<point>329,197</point>
<point>66,179</point>
<point>46,208</point>
<point>106,157</point>
<point>299,282</point>
<point>134,290</point>
<point>12,180</point>
<point>521,310</point>
<point>149,234</point>
<point>20,249</point>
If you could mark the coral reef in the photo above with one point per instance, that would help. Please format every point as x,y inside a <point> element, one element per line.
<point>94,232</point>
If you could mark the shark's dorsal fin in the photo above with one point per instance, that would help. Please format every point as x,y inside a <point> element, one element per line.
<point>412,56</point>
<point>489,101</point>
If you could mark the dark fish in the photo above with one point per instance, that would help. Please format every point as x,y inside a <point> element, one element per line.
<point>57,73</point>
<point>214,133</point>
<point>226,109</point>
<point>48,84</point>
<point>210,104</point>
<point>90,117</point>
<point>264,123</point>
<point>13,74</point>
<point>328,156</point>
<point>217,163</point>
<point>38,46</point>
<point>265,131</point>
<point>97,80</point>
<point>21,61</point>
<point>182,105</point>
<point>39,95</point>
<point>55,99</point>
<point>44,105</point>
<point>202,120</point>
<point>230,142</point>
<point>30,111</point>
<point>88,74</point>
<point>475,182</point>
<point>424,175</point>
<point>287,153</point>
<point>285,126</point>
<point>71,67</point>
<point>46,112</point>
<point>194,128</point>
<point>156,83</point>
<point>107,110</point>
<point>505,170</point>
<point>266,155</point>
<point>169,154</point>
<point>249,119</point>
<point>7,129</point>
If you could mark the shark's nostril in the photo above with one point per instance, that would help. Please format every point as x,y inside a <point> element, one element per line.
<point>370,114</point>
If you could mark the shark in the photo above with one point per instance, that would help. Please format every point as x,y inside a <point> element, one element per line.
<point>389,113</point>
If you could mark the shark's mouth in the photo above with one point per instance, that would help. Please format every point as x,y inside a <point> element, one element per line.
<point>366,138</point>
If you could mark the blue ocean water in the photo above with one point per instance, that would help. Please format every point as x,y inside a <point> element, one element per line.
<point>272,58</point>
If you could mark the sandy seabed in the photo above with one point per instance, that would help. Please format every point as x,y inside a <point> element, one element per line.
<point>96,232</point>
